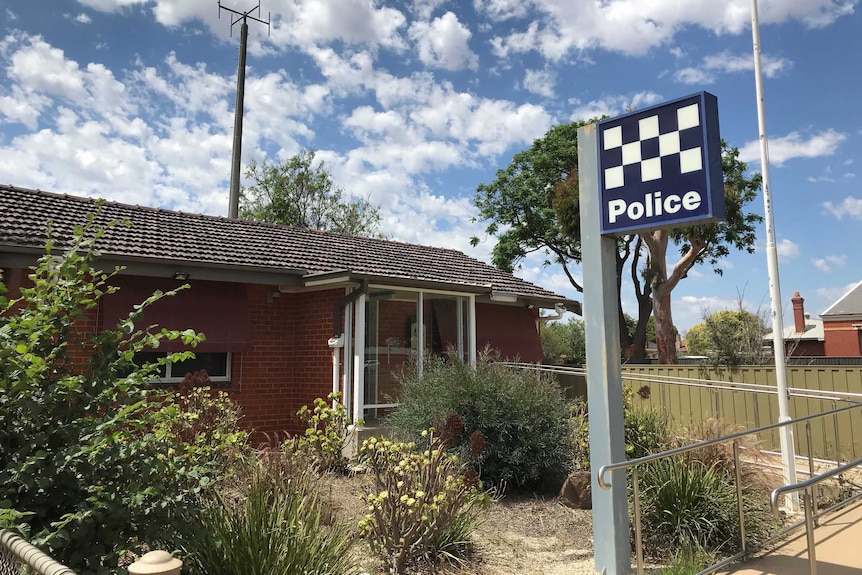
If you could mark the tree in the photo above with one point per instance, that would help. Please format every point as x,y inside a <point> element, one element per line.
<point>301,193</point>
<point>707,243</point>
<point>532,205</point>
<point>564,342</point>
<point>729,337</point>
<point>89,466</point>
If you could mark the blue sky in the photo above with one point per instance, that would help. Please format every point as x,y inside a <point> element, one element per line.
<point>414,103</point>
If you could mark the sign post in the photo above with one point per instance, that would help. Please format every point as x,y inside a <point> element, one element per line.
<point>652,169</point>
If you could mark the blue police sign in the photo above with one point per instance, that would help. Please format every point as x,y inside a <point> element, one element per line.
<point>661,167</point>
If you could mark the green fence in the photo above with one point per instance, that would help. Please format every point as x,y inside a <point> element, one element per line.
<point>746,396</point>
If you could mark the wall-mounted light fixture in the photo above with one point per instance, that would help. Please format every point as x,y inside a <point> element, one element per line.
<point>272,296</point>
<point>181,276</point>
<point>504,296</point>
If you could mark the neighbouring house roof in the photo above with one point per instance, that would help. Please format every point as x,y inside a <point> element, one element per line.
<point>813,331</point>
<point>295,256</point>
<point>848,306</point>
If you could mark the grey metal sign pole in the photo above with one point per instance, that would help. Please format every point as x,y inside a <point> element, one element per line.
<point>604,378</point>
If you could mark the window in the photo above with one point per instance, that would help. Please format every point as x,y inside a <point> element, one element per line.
<point>216,364</point>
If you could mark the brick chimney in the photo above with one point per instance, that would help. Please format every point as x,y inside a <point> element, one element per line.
<point>798,313</point>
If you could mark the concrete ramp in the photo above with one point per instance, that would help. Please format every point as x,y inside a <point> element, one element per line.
<point>838,549</point>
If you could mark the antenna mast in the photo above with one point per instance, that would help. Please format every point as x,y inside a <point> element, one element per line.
<point>233,206</point>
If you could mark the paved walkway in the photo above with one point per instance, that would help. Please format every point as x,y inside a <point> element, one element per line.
<point>838,551</point>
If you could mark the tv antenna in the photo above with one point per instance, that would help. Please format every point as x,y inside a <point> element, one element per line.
<point>240,17</point>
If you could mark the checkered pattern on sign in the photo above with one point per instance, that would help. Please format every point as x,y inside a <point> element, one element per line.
<point>654,142</point>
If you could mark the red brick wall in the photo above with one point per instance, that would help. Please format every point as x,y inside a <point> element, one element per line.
<point>509,329</point>
<point>290,362</point>
<point>842,339</point>
<point>805,348</point>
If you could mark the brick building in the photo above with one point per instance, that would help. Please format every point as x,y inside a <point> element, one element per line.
<point>842,325</point>
<point>289,314</point>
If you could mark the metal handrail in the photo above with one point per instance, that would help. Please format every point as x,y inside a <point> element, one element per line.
<point>653,457</point>
<point>32,556</point>
<point>732,437</point>
<point>806,487</point>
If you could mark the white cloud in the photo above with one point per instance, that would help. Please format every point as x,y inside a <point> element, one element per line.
<point>612,105</point>
<point>540,82</point>
<point>499,10</point>
<point>827,263</point>
<point>726,62</point>
<point>850,207</point>
<point>83,19</point>
<point>636,26</point>
<point>787,249</point>
<point>794,145</point>
<point>444,43</point>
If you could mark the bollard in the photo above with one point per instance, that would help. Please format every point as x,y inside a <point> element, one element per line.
<point>156,563</point>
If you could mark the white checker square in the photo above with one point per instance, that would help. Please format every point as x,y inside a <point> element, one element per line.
<point>648,128</point>
<point>613,137</point>
<point>688,117</point>
<point>690,161</point>
<point>651,169</point>
<point>668,144</point>
<point>631,153</point>
<point>614,178</point>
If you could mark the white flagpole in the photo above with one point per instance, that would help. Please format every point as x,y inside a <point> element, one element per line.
<point>788,449</point>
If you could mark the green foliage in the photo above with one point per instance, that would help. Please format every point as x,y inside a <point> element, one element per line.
<point>326,434</point>
<point>688,561</point>
<point>729,337</point>
<point>278,524</point>
<point>687,503</point>
<point>564,342</point>
<point>300,193</point>
<point>200,428</point>
<point>520,202</point>
<point>423,505</point>
<point>646,431</point>
<point>521,415</point>
<point>83,474</point>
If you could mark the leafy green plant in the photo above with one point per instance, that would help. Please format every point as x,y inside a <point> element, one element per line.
<point>688,561</point>
<point>521,415</point>
<point>325,435</point>
<point>646,431</point>
<point>686,503</point>
<point>83,475</point>
<point>201,427</point>
<point>423,505</point>
<point>278,524</point>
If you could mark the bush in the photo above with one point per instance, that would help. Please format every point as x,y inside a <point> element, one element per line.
<point>423,507</point>
<point>326,435</point>
<point>646,431</point>
<point>278,524</point>
<point>83,475</point>
<point>521,415</point>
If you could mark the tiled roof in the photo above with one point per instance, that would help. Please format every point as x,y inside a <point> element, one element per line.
<point>157,234</point>
<point>850,304</point>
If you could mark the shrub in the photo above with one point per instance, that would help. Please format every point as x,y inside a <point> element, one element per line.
<point>201,430</point>
<point>646,431</point>
<point>521,415</point>
<point>278,524</point>
<point>83,475</point>
<point>422,506</point>
<point>324,438</point>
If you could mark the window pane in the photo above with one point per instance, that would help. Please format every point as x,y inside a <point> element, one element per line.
<point>215,365</point>
<point>145,357</point>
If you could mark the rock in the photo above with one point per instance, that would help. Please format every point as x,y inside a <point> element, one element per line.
<point>577,491</point>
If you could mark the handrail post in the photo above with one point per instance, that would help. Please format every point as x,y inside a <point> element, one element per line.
<point>639,546</point>
<point>811,468</point>
<point>809,530</point>
<point>739,501</point>
<point>837,436</point>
